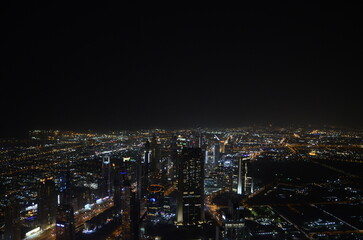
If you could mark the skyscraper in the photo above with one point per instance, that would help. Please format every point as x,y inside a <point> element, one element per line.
<point>155,155</point>
<point>117,191</point>
<point>65,194</point>
<point>190,205</point>
<point>244,182</point>
<point>240,179</point>
<point>143,170</point>
<point>147,154</point>
<point>126,208</point>
<point>216,153</point>
<point>47,202</point>
<point>106,176</point>
<point>65,223</point>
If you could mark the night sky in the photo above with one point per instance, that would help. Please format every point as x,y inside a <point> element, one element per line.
<point>123,65</point>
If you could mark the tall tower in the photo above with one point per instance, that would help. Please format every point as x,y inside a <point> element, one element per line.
<point>65,193</point>
<point>143,169</point>
<point>126,208</point>
<point>240,178</point>
<point>155,155</point>
<point>47,202</point>
<point>117,190</point>
<point>216,153</point>
<point>65,223</point>
<point>147,154</point>
<point>206,157</point>
<point>106,176</point>
<point>190,204</point>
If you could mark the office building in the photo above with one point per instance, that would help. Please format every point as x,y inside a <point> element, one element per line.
<point>47,202</point>
<point>106,176</point>
<point>216,153</point>
<point>155,155</point>
<point>65,223</point>
<point>190,203</point>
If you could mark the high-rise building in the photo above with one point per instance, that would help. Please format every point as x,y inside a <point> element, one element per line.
<point>233,223</point>
<point>240,178</point>
<point>126,208</point>
<point>155,155</point>
<point>117,191</point>
<point>143,170</point>
<point>216,153</point>
<point>135,216</point>
<point>106,176</point>
<point>47,202</point>
<point>206,156</point>
<point>65,223</point>
<point>65,194</point>
<point>248,186</point>
<point>190,203</point>
<point>222,147</point>
<point>12,220</point>
<point>244,182</point>
<point>147,154</point>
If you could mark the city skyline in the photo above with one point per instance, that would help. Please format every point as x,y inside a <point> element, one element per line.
<point>247,183</point>
<point>156,121</point>
<point>122,66</point>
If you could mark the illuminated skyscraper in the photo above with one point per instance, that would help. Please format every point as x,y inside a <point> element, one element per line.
<point>206,156</point>
<point>216,153</point>
<point>106,176</point>
<point>65,194</point>
<point>155,155</point>
<point>147,154</point>
<point>65,223</point>
<point>245,182</point>
<point>47,202</point>
<point>144,170</point>
<point>222,147</point>
<point>126,208</point>
<point>240,178</point>
<point>190,205</point>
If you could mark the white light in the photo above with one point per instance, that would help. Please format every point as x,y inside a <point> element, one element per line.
<point>31,232</point>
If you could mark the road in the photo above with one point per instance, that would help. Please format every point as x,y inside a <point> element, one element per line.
<point>80,219</point>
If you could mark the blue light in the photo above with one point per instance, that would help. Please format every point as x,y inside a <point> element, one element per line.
<point>60,225</point>
<point>123,172</point>
<point>152,200</point>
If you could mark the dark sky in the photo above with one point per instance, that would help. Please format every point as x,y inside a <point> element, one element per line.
<point>126,66</point>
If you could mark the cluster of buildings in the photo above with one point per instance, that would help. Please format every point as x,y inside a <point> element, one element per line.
<point>72,184</point>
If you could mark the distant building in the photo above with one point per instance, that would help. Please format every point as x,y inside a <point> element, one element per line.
<point>47,202</point>
<point>190,203</point>
<point>65,229</point>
